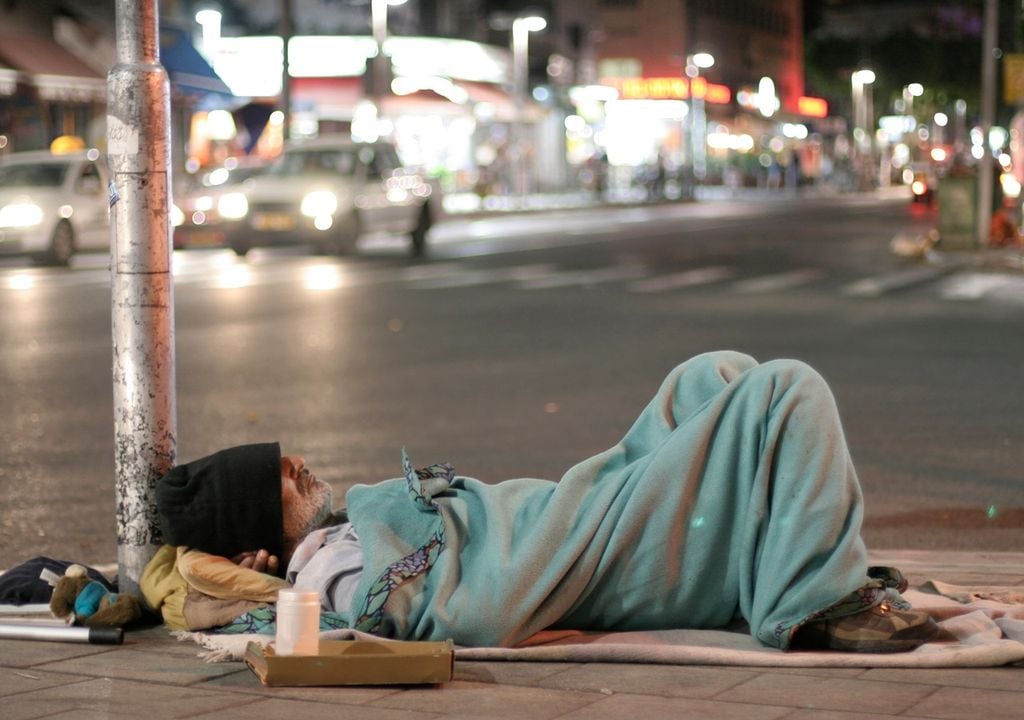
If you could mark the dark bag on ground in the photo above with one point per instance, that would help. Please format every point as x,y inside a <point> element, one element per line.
<point>22,584</point>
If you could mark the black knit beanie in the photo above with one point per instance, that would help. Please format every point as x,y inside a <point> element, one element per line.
<point>225,503</point>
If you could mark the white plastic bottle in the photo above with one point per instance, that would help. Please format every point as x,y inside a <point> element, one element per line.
<point>298,622</point>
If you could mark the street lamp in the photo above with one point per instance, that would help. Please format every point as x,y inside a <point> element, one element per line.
<point>521,28</point>
<point>379,21</point>
<point>209,20</point>
<point>378,66</point>
<point>863,114</point>
<point>698,119</point>
<point>910,92</point>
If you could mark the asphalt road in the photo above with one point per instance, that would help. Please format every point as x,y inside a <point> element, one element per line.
<point>525,344</point>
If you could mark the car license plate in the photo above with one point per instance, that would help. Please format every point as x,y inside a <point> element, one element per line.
<point>204,238</point>
<point>273,221</point>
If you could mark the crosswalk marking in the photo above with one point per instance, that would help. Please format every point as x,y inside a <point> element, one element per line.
<point>974,286</point>
<point>224,271</point>
<point>424,272</point>
<point>583,277</point>
<point>472,278</point>
<point>687,278</point>
<point>880,285</point>
<point>777,281</point>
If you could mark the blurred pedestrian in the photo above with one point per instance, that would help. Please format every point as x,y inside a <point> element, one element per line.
<point>1003,231</point>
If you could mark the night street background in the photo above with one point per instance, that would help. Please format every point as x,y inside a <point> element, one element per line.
<point>525,343</point>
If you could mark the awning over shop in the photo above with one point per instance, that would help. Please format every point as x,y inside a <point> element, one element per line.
<point>333,98</point>
<point>422,102</point>
<point>497,103</point>
<point>8,81</point>
<point>55,72</point>
<point>190,75</point>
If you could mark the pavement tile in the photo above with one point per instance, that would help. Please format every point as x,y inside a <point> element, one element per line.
<point>967,577</point>
<point>617,707</point>
<point>281,709</point>
<point>160,640</point>
<point>26,653</point>
<point>13,681</point>
<point>480,700</point>
<point>185,651</point>
<point>1001,678</point>
<point>150,666</point>
<point>969,703</point>
<point>245,681</point>
<point>115,698</point>
<point>805,691</point>
<point>843,715</point>
<point>841,672</point>
<point>508,673</point>
<point>695,681</point>
<point>30,711</point>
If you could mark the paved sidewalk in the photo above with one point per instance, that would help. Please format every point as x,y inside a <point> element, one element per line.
<point>152,676</point>
<point>1005,260</point>
<point>471,205</point>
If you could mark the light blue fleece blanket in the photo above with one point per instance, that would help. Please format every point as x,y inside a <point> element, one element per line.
<point>732,497</point>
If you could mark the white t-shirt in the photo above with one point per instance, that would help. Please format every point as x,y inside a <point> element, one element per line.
<point>329,561</point>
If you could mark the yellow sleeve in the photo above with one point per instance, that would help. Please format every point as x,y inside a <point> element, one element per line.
<point>220,578</point>
<point>163,588</point>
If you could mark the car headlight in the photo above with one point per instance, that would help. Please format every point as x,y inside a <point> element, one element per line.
<point>177,216</point>
<point>232,206</point>
<point>319,203</point>
<point>20,215</point>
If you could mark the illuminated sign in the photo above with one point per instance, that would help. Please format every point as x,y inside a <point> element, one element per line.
<point>1013,78</point>
<point>718,94</point>
<point>812,106</point>
<point>669,88</point>
<point>654,89</point>
<point>251,66</point>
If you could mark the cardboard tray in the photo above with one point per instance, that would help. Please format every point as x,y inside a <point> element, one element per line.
<point>355,662</point>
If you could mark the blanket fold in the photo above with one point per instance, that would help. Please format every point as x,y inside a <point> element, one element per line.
<point>731,496</point>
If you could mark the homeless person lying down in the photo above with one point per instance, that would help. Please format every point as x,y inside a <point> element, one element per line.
<point>732,498</point>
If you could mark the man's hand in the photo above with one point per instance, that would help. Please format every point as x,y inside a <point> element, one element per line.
<point>258,560</point>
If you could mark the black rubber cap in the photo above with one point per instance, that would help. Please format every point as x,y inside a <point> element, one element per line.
<point>106,636</point>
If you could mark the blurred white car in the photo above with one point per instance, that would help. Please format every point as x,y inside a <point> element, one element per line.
<point>327,192</point>
<point>194,212</point>
<point>53,205</point>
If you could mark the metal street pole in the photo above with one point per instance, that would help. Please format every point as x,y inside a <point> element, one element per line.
<point>379,24</point>
<point>520,71</point>
<point>699,155</point>
<point>862,148</point>
<point>988,114</point>
<point>379,66</point>
<point>142,302</point>
<point>286,78</point>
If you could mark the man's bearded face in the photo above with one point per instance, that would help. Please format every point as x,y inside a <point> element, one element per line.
<point>305,501</point>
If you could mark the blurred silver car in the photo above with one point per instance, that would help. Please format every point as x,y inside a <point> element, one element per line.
<point>194,212</point>
<point>327,192</point>
<point>53,205</point>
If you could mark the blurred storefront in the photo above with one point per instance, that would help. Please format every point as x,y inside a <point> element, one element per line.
<point>448,106</point>
<point>55,86</point>
<point>699,92</point>
<point>201,102</point>
<point>46,92</point>
<point>645,132</point>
